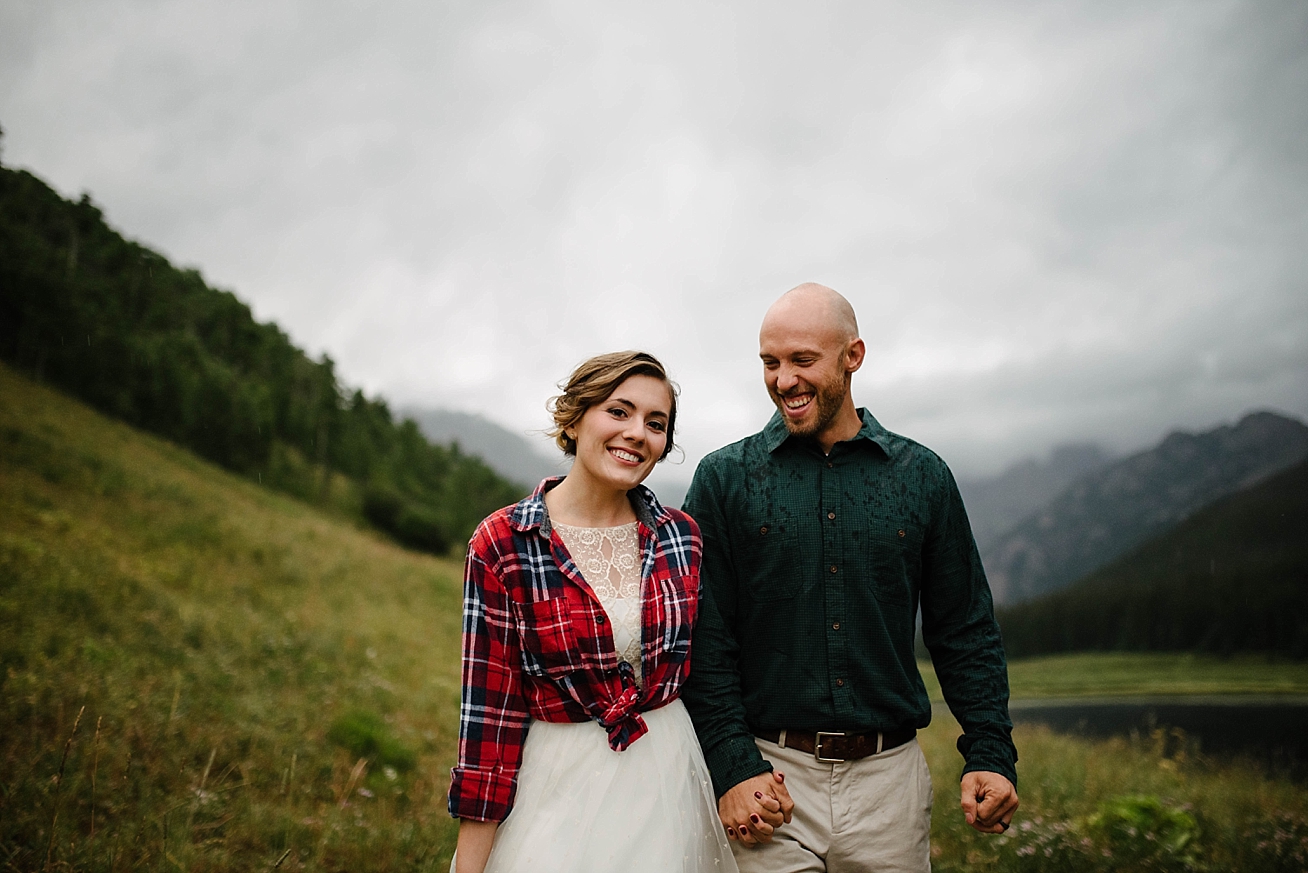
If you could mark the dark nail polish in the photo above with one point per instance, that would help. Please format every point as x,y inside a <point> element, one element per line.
<point>758,795</point>
<point>755,819</point>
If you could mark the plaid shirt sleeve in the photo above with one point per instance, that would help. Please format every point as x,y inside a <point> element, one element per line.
<point>493,716</point>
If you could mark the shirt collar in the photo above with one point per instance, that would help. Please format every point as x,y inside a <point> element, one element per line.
<point>775,433</point>
<point>531,512</point>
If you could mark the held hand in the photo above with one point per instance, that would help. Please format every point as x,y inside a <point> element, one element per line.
<point>752,810</point>
<point>989,801</point>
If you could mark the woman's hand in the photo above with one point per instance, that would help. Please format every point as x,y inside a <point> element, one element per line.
<point>752,810</point>
<point>475,839</point>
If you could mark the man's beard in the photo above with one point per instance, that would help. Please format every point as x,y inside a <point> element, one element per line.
<point>830,397</point>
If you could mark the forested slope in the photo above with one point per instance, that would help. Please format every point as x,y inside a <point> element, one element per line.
<point>1231,578</point>
<point>113,323</point>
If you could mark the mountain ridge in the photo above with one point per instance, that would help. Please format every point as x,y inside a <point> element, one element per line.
<point>507,452</point>
<point>1103,514</point>
<point>1232,577</point>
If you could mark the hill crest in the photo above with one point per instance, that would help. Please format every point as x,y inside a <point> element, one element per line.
<point>1103,514</point>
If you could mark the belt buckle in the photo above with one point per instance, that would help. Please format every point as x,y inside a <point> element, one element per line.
<point>817,746</point>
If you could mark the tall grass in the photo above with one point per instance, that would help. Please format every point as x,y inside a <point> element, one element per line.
<point>266,684</point>
<point>1111,805</point>
<point>198,674</point>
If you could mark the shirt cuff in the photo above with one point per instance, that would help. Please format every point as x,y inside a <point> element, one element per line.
<point>991,756</point>
<point>481,795</point>
<point>734,760</point>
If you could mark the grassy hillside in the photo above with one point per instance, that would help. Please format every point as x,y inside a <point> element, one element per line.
<point>234,655</point>
<point>1231,578</point>
<point>262,686</point>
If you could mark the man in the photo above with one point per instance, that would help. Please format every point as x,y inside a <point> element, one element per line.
<point>823,534</point>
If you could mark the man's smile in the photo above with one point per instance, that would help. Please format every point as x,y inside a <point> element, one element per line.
<point>797,402</point>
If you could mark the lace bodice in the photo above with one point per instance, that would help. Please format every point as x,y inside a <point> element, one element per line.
<point>609,561</point>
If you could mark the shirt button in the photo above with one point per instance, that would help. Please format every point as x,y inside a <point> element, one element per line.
<point>835,625</point>
<point>901,533</point>
<point>840,683</point>
<point>834,568</point>
<point>830,465</point>
<point>763,529</point>
<point>599,619</point>
<point>831,515</point>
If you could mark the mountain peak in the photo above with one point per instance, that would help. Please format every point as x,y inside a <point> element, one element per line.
<point>1104,513</point>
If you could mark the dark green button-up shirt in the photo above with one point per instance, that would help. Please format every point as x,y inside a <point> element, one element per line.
<point>814,568</point>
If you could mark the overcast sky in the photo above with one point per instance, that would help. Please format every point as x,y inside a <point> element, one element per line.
<point>1056,222</point>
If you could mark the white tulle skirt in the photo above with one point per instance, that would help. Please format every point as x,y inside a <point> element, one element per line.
<point>584,808</point>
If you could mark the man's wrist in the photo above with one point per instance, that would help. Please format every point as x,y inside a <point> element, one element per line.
<point>733,761</point>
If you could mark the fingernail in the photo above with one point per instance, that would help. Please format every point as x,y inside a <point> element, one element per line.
<point>755,819</point>
<point>731,832</point>
<point>781,777</point>
<point>758,795</point>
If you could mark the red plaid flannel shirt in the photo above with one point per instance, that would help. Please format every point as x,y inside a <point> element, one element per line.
<point>537,644</point>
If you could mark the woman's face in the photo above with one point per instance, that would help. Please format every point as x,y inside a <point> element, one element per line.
<point>620,439</point>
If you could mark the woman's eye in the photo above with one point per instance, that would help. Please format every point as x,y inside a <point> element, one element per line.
<point>658,426</point>
<point>618,412</point>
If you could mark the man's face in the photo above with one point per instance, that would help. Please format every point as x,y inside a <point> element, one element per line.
<point>804,369</point>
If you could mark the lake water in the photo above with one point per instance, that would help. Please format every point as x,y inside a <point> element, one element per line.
<point>1270,730</point>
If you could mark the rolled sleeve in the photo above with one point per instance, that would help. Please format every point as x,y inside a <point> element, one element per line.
<point>493,717</point>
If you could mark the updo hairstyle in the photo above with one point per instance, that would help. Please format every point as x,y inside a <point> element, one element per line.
<point>594,381</point>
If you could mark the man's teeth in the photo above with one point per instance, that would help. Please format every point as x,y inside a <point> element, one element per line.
<point>798,402</point>
<point>627,456</point>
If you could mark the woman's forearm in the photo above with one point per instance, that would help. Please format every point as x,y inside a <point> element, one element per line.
<point>475,838</point>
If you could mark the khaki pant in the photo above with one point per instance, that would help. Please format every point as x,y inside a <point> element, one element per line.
<point>872,814</point>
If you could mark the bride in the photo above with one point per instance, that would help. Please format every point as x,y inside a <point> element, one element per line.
<point>575,753</point>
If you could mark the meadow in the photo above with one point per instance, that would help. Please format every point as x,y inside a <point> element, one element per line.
<point>200,674</point>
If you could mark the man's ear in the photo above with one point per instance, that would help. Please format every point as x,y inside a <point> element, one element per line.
<point>855,353</point>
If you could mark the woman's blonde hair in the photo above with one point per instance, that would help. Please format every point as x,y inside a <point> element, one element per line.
<point>594,381</point>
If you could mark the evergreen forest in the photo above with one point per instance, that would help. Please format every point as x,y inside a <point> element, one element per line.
<point>115,324</point>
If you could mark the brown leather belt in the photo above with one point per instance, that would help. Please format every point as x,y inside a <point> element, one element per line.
<point>829,746</point>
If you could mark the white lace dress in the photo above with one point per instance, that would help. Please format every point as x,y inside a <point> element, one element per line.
<point>582,807</point>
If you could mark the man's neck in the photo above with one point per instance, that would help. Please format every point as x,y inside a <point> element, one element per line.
<point>845,426</point>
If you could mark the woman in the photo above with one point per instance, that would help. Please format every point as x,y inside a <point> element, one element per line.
<point>574,752</point>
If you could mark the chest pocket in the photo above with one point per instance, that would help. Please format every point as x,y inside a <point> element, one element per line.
<point>893,559</point>
<point>548,639</point>
<point>768,561</point>
<point>679,596</point>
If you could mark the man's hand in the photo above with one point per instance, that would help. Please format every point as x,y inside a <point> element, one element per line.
<point>989,801</point>
<point>753,809</point>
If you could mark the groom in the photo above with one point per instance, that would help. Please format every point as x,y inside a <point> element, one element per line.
<point>823,534</point>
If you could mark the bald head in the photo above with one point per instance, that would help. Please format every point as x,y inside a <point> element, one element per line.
<point>810,349</point>
<point>818,305</point>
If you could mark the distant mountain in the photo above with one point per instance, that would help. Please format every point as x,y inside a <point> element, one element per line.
<point>510,454</point>
<point>997,504</point>
<point>1105,513</point>
<point>1233,577</point>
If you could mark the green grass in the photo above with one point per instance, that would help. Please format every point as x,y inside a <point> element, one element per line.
<point>234,654</point>
<point>259,682</point>
<point>1242,820</point>
<point>1145,674</point>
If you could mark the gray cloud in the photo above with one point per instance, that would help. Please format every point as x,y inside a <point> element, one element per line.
<point>1056,222</point>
